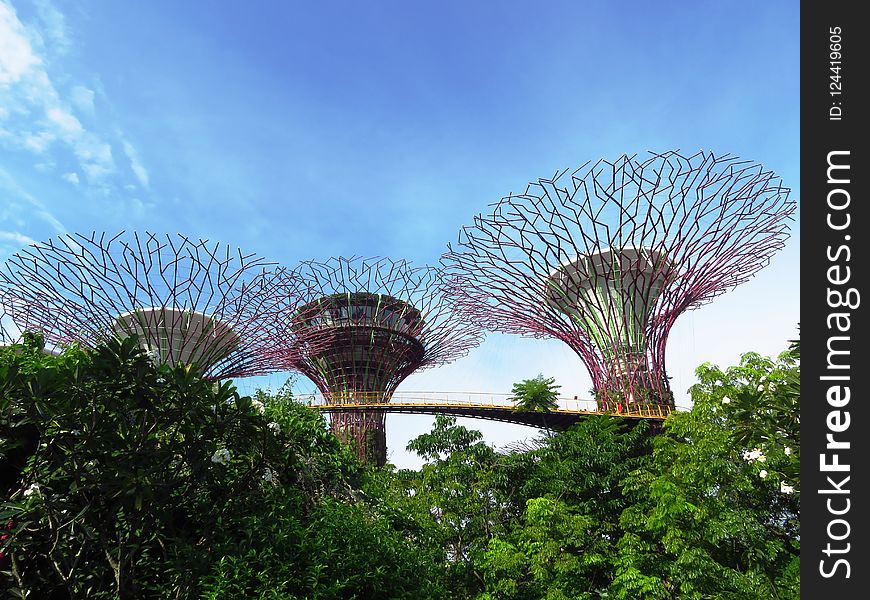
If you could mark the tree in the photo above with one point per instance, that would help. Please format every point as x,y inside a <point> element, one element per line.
<point>548,555</point>
<point>145,481</point>
<point>126,479</point>
<point>455,489</point>
<point>767,419</point>
<point>717,512</point>
<point>536,395</point>
<point>350,534</point>
<point>132,464</point>
<point>568,496</point>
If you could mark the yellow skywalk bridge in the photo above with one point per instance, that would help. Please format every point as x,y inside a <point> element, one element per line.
<point>495,407</point>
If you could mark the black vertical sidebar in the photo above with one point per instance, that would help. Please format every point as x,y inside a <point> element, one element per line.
<point>835,369</point>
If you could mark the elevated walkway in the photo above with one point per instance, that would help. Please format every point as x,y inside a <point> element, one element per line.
<point>494,407</point>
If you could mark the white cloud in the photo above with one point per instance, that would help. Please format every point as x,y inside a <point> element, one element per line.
<point>83,99</point>
<point>135,164</point>
<point>36,118</point>
<point>14,194</point>
<point>18,238</point>
<point>94,154</point>
<point>53,25</point>
<point>66,122</point>
<point>10,243</point>
<point>73,178</point>
<point>16,54</point>
<point>38,142</point>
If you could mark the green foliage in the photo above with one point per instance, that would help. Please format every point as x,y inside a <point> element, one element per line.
<point>131,480</point>
<point>122,479</point>
<point>335,550</point>
<point>717,513</point>
<point>764,410</point>
<point>569,495</point>
<point>454,489</point>
<point>548,556</point>
<point>706,508</point>
<point>120,465</point>
<point>536,395</point>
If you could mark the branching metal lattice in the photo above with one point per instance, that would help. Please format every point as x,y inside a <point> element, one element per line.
<point>375,322</point>
<point>607,257</point>
<point>188,301</point>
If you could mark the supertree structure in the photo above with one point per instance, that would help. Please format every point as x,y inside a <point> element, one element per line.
<point>188,301</point>
<point>606,257</point>
<point>376,321</point>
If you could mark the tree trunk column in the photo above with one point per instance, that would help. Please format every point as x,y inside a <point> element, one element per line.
<point>364,432</point>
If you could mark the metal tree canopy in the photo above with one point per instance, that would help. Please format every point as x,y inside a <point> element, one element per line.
<point>374,322</point>
<point>605,258</point>
<point>610,294</point>
<point>374,346</point>
<point>178,336</point>
<point>187,301</point>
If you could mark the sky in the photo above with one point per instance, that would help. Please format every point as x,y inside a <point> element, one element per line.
<point>300,130</point>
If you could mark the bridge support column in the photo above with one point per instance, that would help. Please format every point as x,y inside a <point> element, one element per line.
<point>365,432</point>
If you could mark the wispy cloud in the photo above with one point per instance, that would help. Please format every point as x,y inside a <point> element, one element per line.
<point>18,238</point>
<point>16,54</point>
<point>21,216</point>
<point>54,117</point>
<point>67,125</point>
<point>12,242</point>
<point>83,99</point>
<point>135,164</point>
<point>18,203</point>
<point>41,118</point>
<point>53,25</point>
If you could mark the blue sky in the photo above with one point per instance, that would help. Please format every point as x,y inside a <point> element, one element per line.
<point>305,130</point>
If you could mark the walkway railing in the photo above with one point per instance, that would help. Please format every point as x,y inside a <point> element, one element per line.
<point>474,400</point>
